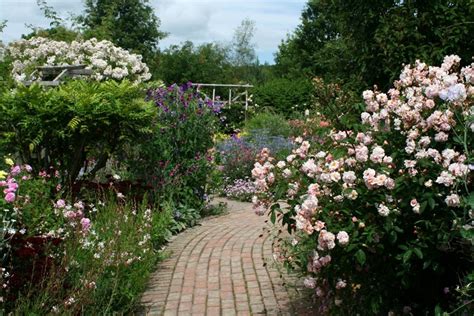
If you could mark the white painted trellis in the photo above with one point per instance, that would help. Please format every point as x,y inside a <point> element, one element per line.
<point>233,97</point>
<point>59,73</point>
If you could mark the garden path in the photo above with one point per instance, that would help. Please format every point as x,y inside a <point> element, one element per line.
<point>223,267</point>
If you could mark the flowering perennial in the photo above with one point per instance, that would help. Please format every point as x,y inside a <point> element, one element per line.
<point>394,195</point>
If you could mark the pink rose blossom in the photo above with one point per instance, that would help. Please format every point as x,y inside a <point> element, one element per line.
<point>60,203</point>
<point>453,200</point>
<point>341,284</point>
<point>343,238</point>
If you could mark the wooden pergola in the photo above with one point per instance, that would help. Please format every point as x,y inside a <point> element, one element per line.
<point>234,95</point>
<point>56,73</point>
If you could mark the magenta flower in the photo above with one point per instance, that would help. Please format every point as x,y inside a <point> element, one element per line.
<point>10,197</point>
<point>12,186</point>
<point>15,170</point>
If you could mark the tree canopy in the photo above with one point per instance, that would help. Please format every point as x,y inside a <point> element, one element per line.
<point>131,24</point>
<point>363,43</point>
<point>186,62</point>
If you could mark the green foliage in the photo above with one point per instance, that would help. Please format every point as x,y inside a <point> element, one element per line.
<point>339,106</point>
<point>243,47</point>
<point>285,96</point>
<point>206,63</point>
<point>363,43</point>
<point>57,33</point>
<point>77,125</point>
<point>272,124</point>
<point>5,64</point>
<point>131,24</point>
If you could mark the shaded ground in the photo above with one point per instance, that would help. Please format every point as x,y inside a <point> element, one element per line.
<point>223,267</point>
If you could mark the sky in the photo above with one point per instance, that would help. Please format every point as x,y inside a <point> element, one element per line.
<point>195,20</point>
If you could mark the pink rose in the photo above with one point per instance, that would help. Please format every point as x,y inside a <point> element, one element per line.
<point>70,215</point>
<point>60,204</point>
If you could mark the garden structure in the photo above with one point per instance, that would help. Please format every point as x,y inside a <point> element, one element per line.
<point>234,95</point>
<point>53,75</point>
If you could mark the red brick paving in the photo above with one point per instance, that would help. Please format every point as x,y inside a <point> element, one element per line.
<point>219,268</point>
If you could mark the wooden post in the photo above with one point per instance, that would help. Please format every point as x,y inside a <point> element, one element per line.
<point>246,100</point>
<point>213,95</point>
<point>230,96</point>
<point>246,103</point>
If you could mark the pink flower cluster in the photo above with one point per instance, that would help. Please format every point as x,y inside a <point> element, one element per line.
<point>11,185</point>
<point>74,214</point>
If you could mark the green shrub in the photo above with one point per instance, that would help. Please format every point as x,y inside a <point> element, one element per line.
<point>272,124</point>
<point>287,97</point>
<point>78,125</point>
<point>337,105</point>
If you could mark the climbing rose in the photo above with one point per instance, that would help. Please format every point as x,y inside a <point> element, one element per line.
<point>310,283</point>
<point>383,210</point>
<point>343,238</point>
<point>452,200</point>
<point>326,240</point>
<point>340,284</point>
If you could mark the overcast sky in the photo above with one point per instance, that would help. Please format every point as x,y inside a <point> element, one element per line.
<point>195,20</point>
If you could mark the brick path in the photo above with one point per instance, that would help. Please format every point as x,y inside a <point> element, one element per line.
<point>223,267</point>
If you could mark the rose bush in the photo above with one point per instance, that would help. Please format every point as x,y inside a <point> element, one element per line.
<point>382,218</point>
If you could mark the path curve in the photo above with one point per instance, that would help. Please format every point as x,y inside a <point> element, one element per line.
<point>222,267</point>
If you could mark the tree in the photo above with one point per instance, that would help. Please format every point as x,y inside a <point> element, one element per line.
<point>131,24</point>
<point>364,43</point>
<point>244,57</point>
<point>205,63</point>
<point>58,30</point>
<point>243,47</point>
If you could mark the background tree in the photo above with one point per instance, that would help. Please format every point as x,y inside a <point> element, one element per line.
<point>243,54</point>
<point>130,24</point>
<point>205,63</point>
<point>364,43</point>
<point>58,29</point>
<point>5,62</point>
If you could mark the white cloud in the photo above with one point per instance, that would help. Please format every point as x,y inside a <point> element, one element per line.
<point>195,20</point>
